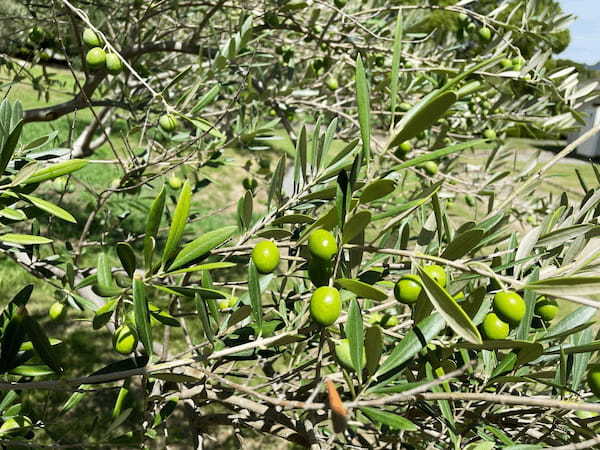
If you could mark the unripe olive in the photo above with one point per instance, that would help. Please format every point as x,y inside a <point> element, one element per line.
<point>57,311</point>
<point>437,273</point>
<point>489,134</point>
<point>114,65</point>
<point>124,340</point>
<point>407,289</point>
<point>265,256</point>
<point>322,244</point>
<point>593,378</point>
<point>509,306</point>
<point>494,328</point>
<point>168,122</point>
<point>546,308</point>
<point>325,305</point>
<point>485,33</point>
<point>332,83</point>
<point>175,182</point>
<point>430,167</point>
<point>91,38</point>
<point>342,353</point>
<point>95,58</point>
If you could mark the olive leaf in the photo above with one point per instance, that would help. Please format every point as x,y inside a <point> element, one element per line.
<point>450,310</point>
<point>178,222</point>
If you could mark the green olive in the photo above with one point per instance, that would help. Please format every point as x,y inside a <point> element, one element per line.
<point>342,353</point>
<point>408,289</point>
<point>485,33</point>
<point>593,378</point>
<point>168,122</point>
<point>95,58</point>
<point>265,256</point>
<point>124,340</point>
<point>489,134</point>
<point>430,167</point>
<point>91,38</point>
<point>322,244</point>
<point>114,65</point>
<point>494,328</point>
<point>546,308</point>
<point>509,306</point>
<point>57,311</point>
<point>325,305</point>
<point>437,273</point>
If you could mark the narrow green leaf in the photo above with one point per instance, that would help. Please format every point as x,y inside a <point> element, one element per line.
<point>563,235</point>
<point>361,289</point>
<point>204,318</point>
<point>50,208</point>
<point>376,190</point>
<point>24,239</point>
<point>142,314</point>
<point>189,291</point>
<point>56,170</point>
<point>13,214</point>
<point>581,316</point>
<point>105,283</point>
<point>127,257</point>
<point>276,186</point>
<point>302,152</point>
<point>11,340</point>
<point>450,310</point>
<point>364,108</point>
<point>423,115</point>
<point>180,217</point>
<point>354,333</point>
<point>356,225</point>
<point>566,286</point>
<point>202,246</point>
<point>206,99</point>
<point>10,145</point>
<point>155,213</point>
<point>373,348</point>
<point>103,314</point>
<point>41,344</point>
<point>393,421</point>
<point>207,266</point>
<point>254,292</point>
<point>32,370</point>
<point>396,55</point>
<point>413,342</point>
<point>463,244</point>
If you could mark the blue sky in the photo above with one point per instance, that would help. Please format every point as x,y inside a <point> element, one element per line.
<point>585,31</point>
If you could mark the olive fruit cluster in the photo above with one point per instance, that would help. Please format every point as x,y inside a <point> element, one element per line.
<point>408,288</point>
<point>509,309</point>
<point>325,302</point>
<point>96,58</point>
<point>322,246</point>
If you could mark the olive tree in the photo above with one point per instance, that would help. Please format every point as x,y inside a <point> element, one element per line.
<point>398,278</point>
